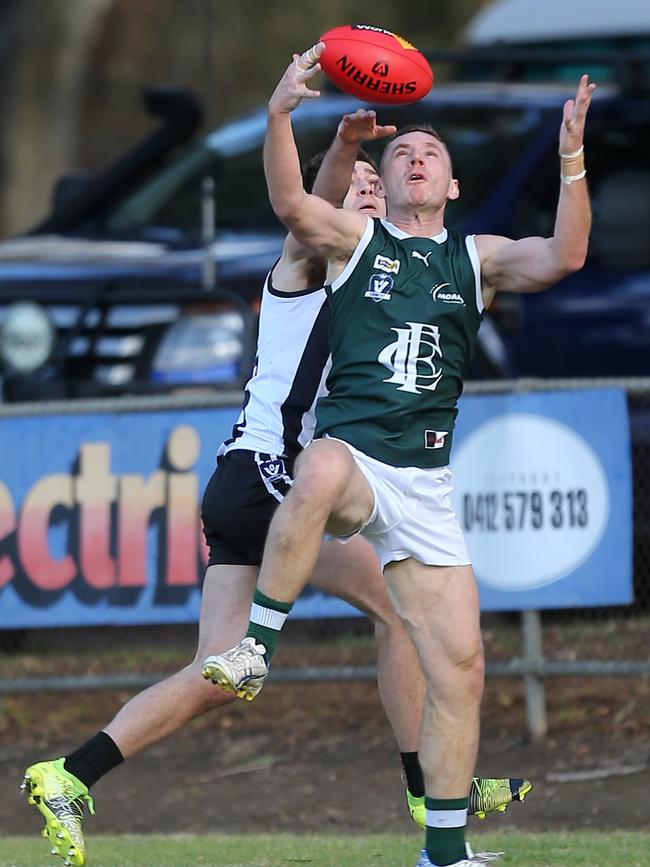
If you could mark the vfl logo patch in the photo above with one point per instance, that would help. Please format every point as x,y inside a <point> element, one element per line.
<point>272,470</point>
<point>379,287</point>
<point>416,255</point>
<point>435,439</point>
<point>438,294</point>
<point>383,263</point>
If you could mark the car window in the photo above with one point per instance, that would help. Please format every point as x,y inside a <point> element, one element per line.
<point>484,142</point>
<point>557,61</point>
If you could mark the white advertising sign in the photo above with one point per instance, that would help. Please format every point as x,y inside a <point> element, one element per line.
<point>532,498</point>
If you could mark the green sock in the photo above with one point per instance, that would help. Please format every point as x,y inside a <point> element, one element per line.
<point>267,619</point>
<point>446,821</point>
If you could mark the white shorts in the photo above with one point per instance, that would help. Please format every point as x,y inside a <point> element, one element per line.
<point>412,515</point>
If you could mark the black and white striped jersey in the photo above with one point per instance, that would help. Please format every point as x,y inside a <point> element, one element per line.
<point>289,375</point>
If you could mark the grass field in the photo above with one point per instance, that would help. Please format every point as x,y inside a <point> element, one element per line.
<point>527,850</point>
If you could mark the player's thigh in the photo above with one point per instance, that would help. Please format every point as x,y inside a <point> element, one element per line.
<point>225,607</point>
<point>352,572</point>
<point>440,606</point>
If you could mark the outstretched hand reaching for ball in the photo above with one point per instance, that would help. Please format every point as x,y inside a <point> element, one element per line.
<point>292,87</point>
<point>362,126</point>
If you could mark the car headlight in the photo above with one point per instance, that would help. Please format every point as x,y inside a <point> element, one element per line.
<point>201,348</point>
<point>26,337</point>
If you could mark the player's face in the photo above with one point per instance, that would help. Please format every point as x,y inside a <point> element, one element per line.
<point>361,195</point>
<point>416,171</point>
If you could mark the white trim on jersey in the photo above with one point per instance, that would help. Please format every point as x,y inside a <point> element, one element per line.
<point>475,259</point>
<point>278,415</point>
<point>440,238</point>
<point>365,239</point>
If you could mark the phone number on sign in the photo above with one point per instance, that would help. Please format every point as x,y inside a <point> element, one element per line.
<point>494,511</point>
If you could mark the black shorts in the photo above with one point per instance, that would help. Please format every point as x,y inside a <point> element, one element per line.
<point>239,501</point>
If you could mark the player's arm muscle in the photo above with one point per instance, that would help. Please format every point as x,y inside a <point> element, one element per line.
<point>329,231</point>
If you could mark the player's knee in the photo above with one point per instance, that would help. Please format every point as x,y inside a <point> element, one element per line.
<point>472,666</point>
<point>321,472</point>
<point>200,695</point>
<point>468,672</point>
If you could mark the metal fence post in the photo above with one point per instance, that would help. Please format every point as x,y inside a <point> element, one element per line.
<point>531,626</point>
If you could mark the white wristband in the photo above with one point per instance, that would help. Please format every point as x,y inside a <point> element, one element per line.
<point>574,154</point>
<point>569,179</point>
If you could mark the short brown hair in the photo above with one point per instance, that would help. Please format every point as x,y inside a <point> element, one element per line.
<point>311,167</point>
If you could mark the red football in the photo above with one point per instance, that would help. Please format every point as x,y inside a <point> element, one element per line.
<point>374,64</point>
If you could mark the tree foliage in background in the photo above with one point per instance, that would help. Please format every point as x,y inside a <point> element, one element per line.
<point>72,73</point>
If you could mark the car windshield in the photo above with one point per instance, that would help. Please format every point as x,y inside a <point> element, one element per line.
<point>485,142</point>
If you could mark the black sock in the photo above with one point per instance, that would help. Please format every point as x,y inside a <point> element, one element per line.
<point>413,774</point>
<point>95,758</point>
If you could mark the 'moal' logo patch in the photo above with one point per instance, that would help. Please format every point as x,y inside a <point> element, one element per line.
<point>379,287</point>
<point>440,292</point>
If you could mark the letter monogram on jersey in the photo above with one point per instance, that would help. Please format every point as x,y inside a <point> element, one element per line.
<point>411,370</point>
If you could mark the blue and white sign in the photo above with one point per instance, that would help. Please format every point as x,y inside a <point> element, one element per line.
<point>542,488</point>
<point>99,513</point>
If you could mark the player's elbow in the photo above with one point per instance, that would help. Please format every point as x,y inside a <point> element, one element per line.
<point>575,258</point>
<point>569,259</point>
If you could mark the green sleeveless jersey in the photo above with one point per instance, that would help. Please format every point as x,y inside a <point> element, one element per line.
<point>404,316</point>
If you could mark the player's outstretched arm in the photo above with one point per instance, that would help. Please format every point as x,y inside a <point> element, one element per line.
<point>532,264</point>
<point>313,222</point>
<point>333,178</point>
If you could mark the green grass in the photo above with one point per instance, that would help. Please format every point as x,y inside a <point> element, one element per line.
<point>583,849</point>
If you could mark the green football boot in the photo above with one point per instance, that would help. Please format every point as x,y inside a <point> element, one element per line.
<point>59,797</point>
<point>489,795</point>
<point>486,796</point>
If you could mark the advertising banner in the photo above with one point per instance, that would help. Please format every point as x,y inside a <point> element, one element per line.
<point>100,524</point>
<point>543,492</point>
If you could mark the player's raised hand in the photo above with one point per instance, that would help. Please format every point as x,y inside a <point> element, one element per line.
<point>362,126</point>
<point>573,120</point>
<point>292,87</point>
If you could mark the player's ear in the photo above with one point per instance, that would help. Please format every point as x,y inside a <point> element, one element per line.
<point>454,190</point>
<point>380,192</point>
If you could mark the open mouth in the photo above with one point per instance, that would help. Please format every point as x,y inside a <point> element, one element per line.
<point>414,177</point>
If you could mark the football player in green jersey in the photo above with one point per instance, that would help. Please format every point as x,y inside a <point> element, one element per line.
<point>406,296</point>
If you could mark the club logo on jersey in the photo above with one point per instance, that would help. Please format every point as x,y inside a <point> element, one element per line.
<point>438,294</point>
<point>272,470</point>
<point>379,287</point>
<point>383,263</point>
<point>415,254</point>
<point>435,439</point>
<point>410,358</point>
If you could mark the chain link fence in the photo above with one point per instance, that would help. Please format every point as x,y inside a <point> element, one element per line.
<point>574,643</point>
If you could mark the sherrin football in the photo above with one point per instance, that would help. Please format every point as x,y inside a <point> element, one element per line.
<point>374,64</point>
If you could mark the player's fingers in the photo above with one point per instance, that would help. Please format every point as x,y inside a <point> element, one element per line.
<point>569,106</point>
<point>307,74</point>
<point>308,58</point>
